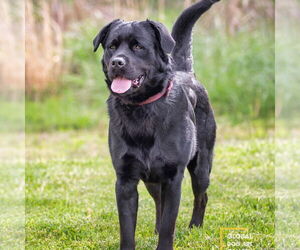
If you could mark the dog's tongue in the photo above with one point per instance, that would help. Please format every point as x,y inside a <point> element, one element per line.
<point>120,85</point>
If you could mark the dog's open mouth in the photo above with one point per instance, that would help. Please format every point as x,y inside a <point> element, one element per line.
<point>120,85</point>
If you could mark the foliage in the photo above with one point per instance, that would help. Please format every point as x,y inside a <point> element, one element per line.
<point>287,62</point>
<point>235,62</point>
<point>238,72</point>
<point>12,115</point>
<point>11,48</point>
<point>61,113</point>
<point>44,48</point>
<point>80,101</point>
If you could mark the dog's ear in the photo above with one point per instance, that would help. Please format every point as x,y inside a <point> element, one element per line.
<point>165,39</point>
<point>102,35</point>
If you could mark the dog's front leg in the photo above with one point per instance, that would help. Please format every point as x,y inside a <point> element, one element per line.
<point>127,201</point>
<point>171,193</point>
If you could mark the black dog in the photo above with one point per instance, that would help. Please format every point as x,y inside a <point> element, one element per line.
<point>160,119</point>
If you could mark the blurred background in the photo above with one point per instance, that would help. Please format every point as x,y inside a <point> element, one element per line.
<point>12,124</point>
<point>287,157</point>
<point>233,51</point>
<point>66,117</point>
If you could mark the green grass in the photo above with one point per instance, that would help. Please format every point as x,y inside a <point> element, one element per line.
<point>287,192</point>
<point>64,111</point>
<point>70,201</point>
<point>12,191</point>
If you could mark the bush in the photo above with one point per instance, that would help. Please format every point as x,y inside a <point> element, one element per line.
<point>238,72</point>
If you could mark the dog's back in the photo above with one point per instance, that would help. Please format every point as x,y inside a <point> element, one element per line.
<point>201,164</point>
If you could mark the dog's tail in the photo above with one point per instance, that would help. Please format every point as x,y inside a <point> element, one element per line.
<point>182,34</point>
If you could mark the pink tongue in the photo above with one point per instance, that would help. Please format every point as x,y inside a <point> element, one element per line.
<point>120,85</point>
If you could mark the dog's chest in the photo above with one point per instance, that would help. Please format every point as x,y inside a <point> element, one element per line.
<point>140,133</point>
<point>157,141</point>
<point>158,147</point>
<point>152,159</point>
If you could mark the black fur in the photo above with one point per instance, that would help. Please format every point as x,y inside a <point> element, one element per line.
<point>182,33</point>
<point>155,142</point>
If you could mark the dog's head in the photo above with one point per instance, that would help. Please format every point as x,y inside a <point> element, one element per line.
<point>136,58</point>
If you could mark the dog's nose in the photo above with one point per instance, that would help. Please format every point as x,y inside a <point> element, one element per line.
<point>118,62</point>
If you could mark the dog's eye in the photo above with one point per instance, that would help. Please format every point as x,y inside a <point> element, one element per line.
<point>113,47</point>
<point>137,47</point>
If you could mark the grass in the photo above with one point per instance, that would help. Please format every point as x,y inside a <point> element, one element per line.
<point>70,201</point>
<point>287,192</point>
<point>64,111</point>
<point>12,190</point>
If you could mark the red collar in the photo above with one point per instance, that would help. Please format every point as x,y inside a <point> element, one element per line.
<point>164,92</point>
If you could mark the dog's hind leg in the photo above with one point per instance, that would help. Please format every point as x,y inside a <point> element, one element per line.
<point>200,182</point>
<point>154,190</point>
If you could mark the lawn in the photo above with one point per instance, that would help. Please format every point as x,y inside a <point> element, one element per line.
<point>70,202</point>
